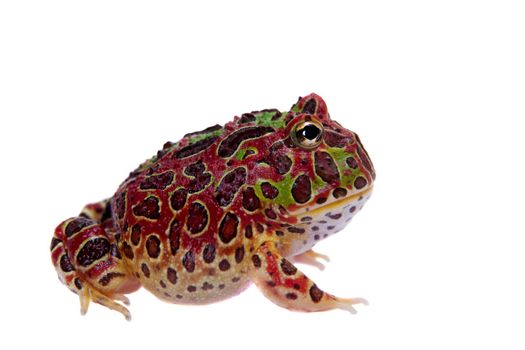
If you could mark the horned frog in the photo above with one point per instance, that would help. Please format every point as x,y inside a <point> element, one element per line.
<point>221,208</point>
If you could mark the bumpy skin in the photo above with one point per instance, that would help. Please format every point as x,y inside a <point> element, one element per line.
<point>219,209</point>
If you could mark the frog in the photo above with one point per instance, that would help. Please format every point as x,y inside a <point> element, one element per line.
<point>221,209</point>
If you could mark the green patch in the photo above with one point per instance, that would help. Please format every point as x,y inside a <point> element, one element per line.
<point>265,119</point>
<point>197,138</point>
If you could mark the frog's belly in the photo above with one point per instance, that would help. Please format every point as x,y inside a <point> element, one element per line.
<point>202,286</point>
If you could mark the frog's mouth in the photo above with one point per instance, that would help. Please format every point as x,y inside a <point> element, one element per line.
<point>336,204</point>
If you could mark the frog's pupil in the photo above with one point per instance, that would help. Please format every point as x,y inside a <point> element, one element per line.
<point>310,132</point>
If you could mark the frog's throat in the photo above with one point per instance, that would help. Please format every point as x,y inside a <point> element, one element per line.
<point>335,204</point>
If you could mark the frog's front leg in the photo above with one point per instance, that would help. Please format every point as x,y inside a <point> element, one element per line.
<point>286,286</point>
<point>88,262</point>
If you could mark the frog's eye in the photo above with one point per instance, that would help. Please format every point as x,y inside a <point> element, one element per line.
<point>308,134</point>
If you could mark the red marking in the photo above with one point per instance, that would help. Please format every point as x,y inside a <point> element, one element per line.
<point>100,267</point>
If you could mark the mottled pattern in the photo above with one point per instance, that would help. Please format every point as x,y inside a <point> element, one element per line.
<point>219,209</point>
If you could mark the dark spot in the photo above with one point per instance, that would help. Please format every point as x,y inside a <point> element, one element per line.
<point>195,169</point>
<point>229,186</point>
<point>334,216</point>
<point>259,227</point>
<point>162,284</point>
<point>207,286</point>
<point>296,286</point>
<point>239,254</point>
<point>54,242</point>
<point>92,251</point>
<point>296,229</point>
<point>128,252</point>
<point>221,286</point>
<point>316,294</point>
<point>321,200</point>
<point>78,283</point>
<point>224,265</point>
<point>315,228</point>
<point>316,237</point>
<point>149,208</point>
<point>333,139</point>
<point>278,160</point>
<point>172,275</point>
<point>145,270</point>
<point>269,191</point>
<point>279,233</point>
<point>248,231</point>
<point>104,281</point>
<point>291,296</point>
<point>135,234</point>
<point>352,163</point>
<point>230,144</point>
<point>188,261</point>
<point>248,153</point>
<point>76,225</point>
<point>195,148</point>
<point>157,182</point>
<point>205,131</point>
<point>178,199</point>
<point>302,189</point>
<point>228,227</point>
<point>153,246</point>
<point>250,201</point>
<point>197,218</point>
<point>199,183</point>
<point>310,106</point>
<point>339,192</point>
<point>359,182</point>
<point>236,279</point>
<point>178,296</point>
<point>247,118</point>
<point>330,227</point>
<point>270,213</point>
<point>191,289</point>
<point>325,167</point>
<point>288,267</point>
<point>306,219</point>
<point>65,264</point>
<point>271,284</point>
<point>352,208</point>
<point>174,237</point>
<point>208,254</point>
<point>256,261</point>
<point>120,205</point>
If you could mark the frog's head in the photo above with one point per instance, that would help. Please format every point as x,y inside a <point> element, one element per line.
<point>307,165</point>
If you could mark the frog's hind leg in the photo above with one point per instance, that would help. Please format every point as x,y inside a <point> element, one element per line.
<point>286,286</point>
<point>89,263</point>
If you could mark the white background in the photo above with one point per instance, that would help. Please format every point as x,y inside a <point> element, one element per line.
<point>435,89</point>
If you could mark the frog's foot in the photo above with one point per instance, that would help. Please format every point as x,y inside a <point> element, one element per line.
<point>310,258</point>
<point>88,262</point>
<point>286,286</point>
<point>88,293</point>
